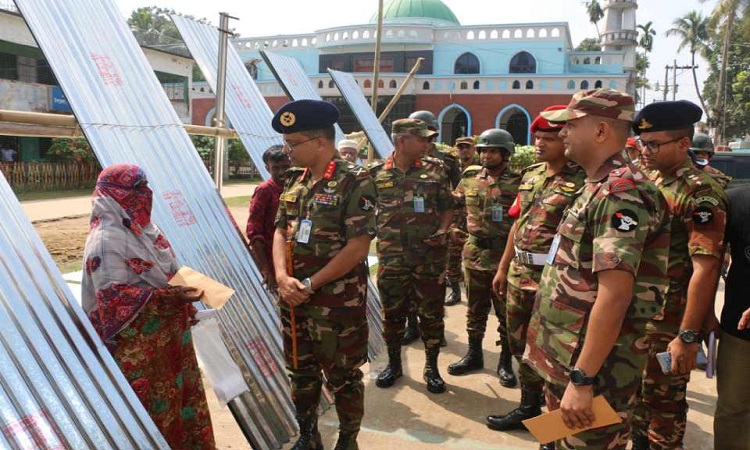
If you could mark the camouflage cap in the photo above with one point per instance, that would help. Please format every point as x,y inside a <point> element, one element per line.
<point>465,140</point>
<point>598,102</point>
<point>412,126</point>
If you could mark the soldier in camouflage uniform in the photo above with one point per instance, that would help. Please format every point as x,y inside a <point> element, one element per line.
<point>467,156</point>
<point>698,209</point>
<point>604,276</point>
<point>703,149</point>
<point>414,211</point>
<point>453,167</point>
<point>324,225</point>
<point>485,194</point>
<point>546,190</point>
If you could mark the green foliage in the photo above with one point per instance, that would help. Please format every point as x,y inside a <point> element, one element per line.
<point>236,152</point>
<point>523,157</point>
<point>70,150</point>
<point>589,45</point>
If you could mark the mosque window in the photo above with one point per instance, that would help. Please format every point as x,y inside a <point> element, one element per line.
<point>426,85</point>
<point>368,84</point>
<point>516,84</point>
<point>522,62</point>
<point>330,84</point>
<point>393,84</point>
<point>584,84</point>
<point>467,63</point>
<point>529,84</point>
<point>476,84</point>
<point>464,85</point>
<point>320,84</point>
<point>598,84</point>
<point>571,84</point>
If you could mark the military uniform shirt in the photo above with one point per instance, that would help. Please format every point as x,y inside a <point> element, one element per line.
<point>409,205</point>
<point>698,209</point>
<point>618,222</point>
<point>341,206</point>
<point>485,204</point>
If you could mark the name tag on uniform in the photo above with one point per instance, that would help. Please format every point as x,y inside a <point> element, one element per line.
<point>288,197</point>
<point>497,213</point>
<point>418,204</point>
<point>384,185</point>
<point>525,187</point>
<point>471,193</point>
<point>553,250</point>
<point>305,228</point>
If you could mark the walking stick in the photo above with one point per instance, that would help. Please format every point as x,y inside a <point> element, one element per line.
<point>293,317</point>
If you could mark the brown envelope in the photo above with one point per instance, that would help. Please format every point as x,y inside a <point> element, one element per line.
<point>550,427</point>
<point>215,294</point>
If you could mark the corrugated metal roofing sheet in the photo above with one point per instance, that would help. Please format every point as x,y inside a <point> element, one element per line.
<point>59,386</point>
<point>250,120</point>
<point>293,79</point>
<point>358,103</point>
<point>126,116</point>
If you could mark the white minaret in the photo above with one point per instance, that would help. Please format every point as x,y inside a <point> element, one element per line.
<point>620,34</point>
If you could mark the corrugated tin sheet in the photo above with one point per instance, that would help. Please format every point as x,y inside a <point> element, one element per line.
<point>126,116</point>
<point>250,120</point>
<point>59,386</point>
<point>358,103</point>
<point>293,79</point>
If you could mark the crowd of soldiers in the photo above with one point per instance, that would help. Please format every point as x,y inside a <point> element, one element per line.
<point>593,260</point>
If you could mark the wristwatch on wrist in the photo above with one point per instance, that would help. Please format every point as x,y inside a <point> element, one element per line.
<point>308,285</point>
<point>688,336</point>
<point>579,378</point>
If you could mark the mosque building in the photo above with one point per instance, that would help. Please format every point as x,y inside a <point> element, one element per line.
<point>473,77</point>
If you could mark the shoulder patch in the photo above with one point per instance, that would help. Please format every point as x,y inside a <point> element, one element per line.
<point>703,215</point>
<point>707,199</point>
<point>624,220</point>
<point>621,185</point>
<point>366,203</point>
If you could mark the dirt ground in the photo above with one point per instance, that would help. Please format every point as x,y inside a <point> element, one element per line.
<point>64,238</point>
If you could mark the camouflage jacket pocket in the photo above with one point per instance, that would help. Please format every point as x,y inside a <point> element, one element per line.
<point>564,329</point>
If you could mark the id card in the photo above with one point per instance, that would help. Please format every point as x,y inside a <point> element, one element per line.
<point>553,250</point>
<point>497,213</point>
<point>305,228</point>
<point>418,204</point>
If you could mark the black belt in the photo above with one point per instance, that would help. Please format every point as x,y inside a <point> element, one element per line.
<point>490,243</point>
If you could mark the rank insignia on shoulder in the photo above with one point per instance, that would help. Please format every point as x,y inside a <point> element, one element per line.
<point>703,215</point>
<point>618,172</point>
<point>621,185</point>
<point>624,220</point>
<point>366,203</point>
<point>706,199</point>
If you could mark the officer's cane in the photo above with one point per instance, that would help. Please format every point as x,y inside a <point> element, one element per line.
<point>293,317</point>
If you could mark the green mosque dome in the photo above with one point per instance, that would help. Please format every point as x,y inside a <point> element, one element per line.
<point>417,11</point>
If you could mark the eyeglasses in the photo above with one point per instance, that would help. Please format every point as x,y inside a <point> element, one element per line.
<point>295,145</point>
<point>654,147</point>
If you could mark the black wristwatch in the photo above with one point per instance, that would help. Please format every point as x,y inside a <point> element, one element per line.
<point>578,378</point>
<point>689,336</point>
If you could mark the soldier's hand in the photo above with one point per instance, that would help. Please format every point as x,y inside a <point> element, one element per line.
<point>437,239</point>
<point>269,279</point>
<point>683,356</point>
<point>711,325</point>
<point>457,237</point>
<point>744,320</point>
<point>292,291</point>
<point>576,408</point>
<point>500,282</point>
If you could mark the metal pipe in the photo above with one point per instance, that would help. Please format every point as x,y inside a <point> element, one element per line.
<point>219,118</point>
<point>376,73</point>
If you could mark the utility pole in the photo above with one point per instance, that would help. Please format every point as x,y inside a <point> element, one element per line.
<point>674,81</point>
<point>666,82</point>
<point>219,119</point>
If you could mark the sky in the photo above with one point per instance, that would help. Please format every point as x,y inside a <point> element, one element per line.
<point>305,16</point>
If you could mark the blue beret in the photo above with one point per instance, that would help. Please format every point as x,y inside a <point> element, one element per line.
<point>662,116</point>
<point>301,115</point>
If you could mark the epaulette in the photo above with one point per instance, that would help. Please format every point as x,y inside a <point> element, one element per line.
<point>374,165</point>
<point>434,161</point>
<point>292,174</point>
<point>357,171</point>
<point>471,171</point>
<point>531,167</point>
<point>620,180</point>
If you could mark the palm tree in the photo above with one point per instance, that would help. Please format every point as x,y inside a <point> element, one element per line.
<point>595,12</point>
<point>693,33</point>
<point>726,12</point>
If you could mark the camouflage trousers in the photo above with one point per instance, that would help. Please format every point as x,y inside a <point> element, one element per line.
<point>481,299</point>
<point>408,287</point>
<point>618,381</point>
<point>661,407</point>
<point>521,291</point>
<point>453,272</point>
<point>333,342</point>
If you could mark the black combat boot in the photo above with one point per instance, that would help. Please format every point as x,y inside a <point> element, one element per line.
<point>531,406</point>
<point>393,371</point>
<point>412,331</point>
<point>431,376</point>
<point>548,446</point>
<point>505,368</point>
<point>455,292</point>
<point>309,436</point>
<point>640,442</point>
<point>347,441</point>
<point>474,359</point>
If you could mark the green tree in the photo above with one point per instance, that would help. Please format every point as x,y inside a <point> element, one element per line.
<point>692,31</point>
<point>589,45</point>
<point>595,13</point>
<point>642,63</point>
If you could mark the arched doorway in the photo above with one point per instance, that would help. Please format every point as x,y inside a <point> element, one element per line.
<point>515,120</point>
<point>455,122</point>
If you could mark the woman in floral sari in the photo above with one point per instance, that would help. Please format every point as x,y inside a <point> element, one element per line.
<point>144,322</point>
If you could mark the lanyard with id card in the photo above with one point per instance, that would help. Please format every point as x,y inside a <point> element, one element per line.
<point>497,213</point>
<point>418,204</point>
